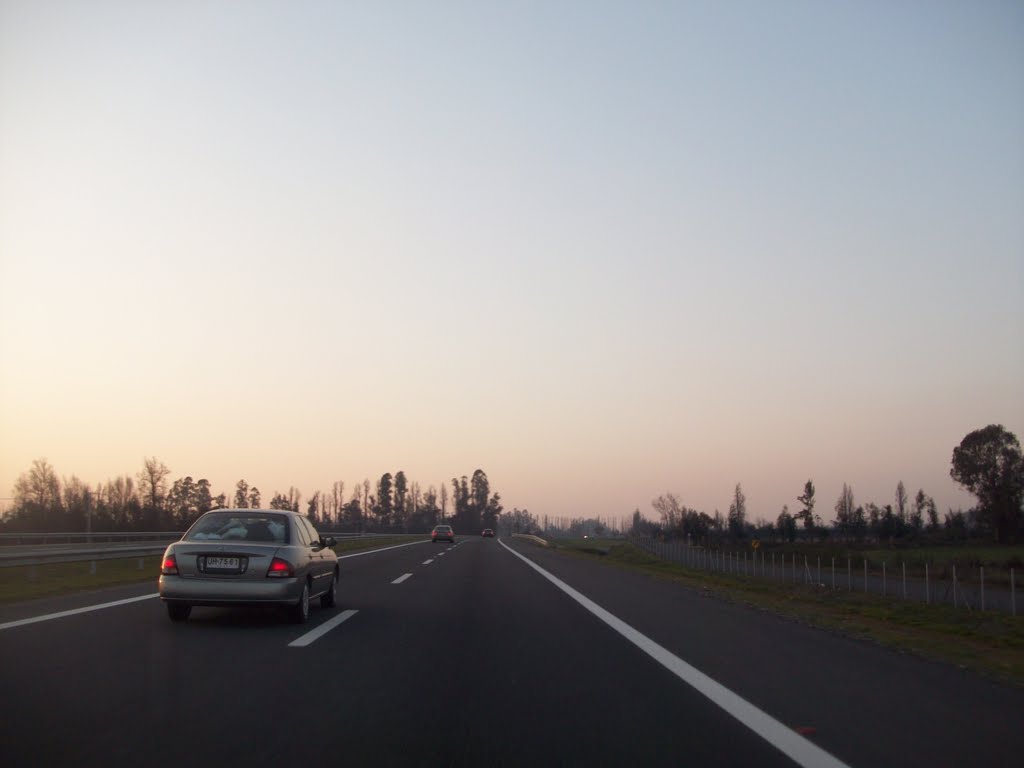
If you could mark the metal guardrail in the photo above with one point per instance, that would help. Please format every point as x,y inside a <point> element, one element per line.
<point>534,539</point>
<point>24,539</point>
<point>34,557</point>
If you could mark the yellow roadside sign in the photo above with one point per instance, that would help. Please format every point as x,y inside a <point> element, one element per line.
<point>755,544</point>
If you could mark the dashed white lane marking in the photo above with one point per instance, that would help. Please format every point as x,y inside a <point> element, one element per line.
<point>785,739</point>
<point>428,562</point>
<point>86,609</point>
<point>322,630</point>
<point>402,578</point>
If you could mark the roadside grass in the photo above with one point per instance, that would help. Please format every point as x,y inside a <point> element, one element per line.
<point>29,582</point>
<point>990,643</point>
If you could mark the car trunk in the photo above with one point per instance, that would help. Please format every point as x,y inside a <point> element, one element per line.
<point>224,559</point>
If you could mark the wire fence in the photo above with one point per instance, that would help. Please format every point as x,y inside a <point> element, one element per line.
<point>966,588</point>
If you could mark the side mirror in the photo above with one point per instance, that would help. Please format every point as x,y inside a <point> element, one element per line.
<point>330,542</point>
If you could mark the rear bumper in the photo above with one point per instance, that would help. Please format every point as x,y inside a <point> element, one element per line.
<point>200,591</point>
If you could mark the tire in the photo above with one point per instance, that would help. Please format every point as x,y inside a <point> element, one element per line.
<point>330,598</point>
<point>300,611</point>
<point>179,611</point>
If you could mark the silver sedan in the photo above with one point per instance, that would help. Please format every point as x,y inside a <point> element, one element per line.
<point>244,557</point>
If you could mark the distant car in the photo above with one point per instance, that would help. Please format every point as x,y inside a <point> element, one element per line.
<point>487,532</point>
<point>442,533</point>
<point>247,557</point>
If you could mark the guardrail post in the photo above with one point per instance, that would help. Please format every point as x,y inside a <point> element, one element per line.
<point>833,574</point>
<point>904,579</point>
<point>885,592</point>
<point>92,567</point>
<point>1013,595</point>
<point>849,575</point>
<point>927,587</point>
<point>865,575</point>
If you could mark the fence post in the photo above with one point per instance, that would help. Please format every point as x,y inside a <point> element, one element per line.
<point>927,588</point>
<point>904,579</point>
<point>983,588</point>
<point>92,568</point>
<point>865,575</point>
<point>833,574</point>
<point>773,565</point>
<point>885,592</point>
<point>849,575</point>
<point>1013,595</point>
<point>819,571</point>
<point>807,572</point>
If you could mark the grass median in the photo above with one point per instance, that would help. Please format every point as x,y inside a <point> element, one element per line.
<point>988,642</point>
<point>30,582</point>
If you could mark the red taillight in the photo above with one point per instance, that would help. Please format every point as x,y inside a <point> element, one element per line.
<point>280,569</point>
<point>169,566</point>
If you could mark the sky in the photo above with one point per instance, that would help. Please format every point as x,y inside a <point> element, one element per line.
<point>601,250</point>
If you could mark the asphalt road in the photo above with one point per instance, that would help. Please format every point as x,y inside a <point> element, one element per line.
<point>477,659</point>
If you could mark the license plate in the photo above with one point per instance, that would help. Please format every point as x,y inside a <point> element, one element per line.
<point>222,563</point>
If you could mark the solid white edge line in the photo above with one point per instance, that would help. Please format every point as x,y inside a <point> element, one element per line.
<point>402,578</point>
<point>323,629</point>
<point>382,549</point>
<point>783,738</point>
<point>74,611</point>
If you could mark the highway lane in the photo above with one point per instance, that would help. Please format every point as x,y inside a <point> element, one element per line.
<point>865,703</point>
<point>472,659</point>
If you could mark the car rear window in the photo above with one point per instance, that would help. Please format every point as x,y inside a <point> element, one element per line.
<point>240,527</point>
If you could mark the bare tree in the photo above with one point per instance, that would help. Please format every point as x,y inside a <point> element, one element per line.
<point>153,486</point>
<point>38,489</point>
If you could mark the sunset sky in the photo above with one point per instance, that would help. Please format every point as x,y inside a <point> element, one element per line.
<point>601,250</point>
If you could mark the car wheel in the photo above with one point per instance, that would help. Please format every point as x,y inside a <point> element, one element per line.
<point>330,597</point>
<point>179,611</point>
<point>300,611</point>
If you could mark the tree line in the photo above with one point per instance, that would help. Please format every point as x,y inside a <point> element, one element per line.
<point>988,463</point>
<point>149,501</point>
